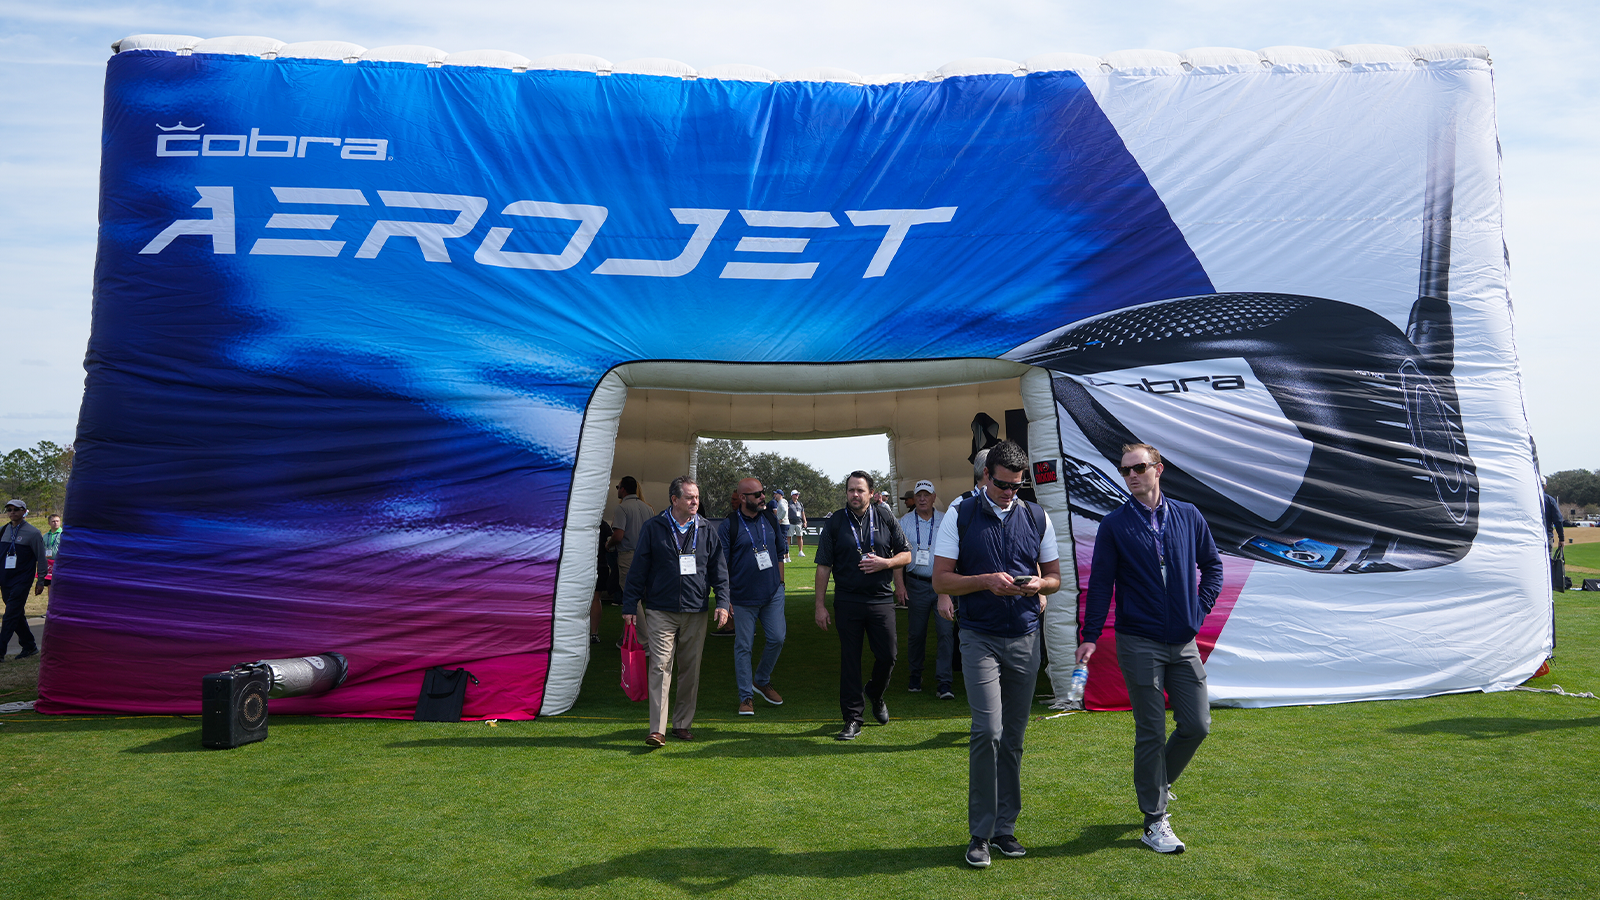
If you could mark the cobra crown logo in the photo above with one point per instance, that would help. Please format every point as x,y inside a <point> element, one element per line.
<point>193,140</point>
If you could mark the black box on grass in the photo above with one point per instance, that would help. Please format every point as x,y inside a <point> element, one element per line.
<point>233,707</point>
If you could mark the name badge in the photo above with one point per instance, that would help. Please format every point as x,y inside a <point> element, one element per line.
<point>686,564</point>
<point>924,558</point>
<point>11,562</point>
<point>763,560</point>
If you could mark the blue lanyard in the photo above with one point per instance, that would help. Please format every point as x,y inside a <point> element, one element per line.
<point>931,530</point>
<point>872,530</point>
<point>762,526</point>
<point>1158,530</point>
<point>694,521</point>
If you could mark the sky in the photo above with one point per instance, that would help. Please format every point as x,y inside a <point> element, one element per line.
<point>52,66</point>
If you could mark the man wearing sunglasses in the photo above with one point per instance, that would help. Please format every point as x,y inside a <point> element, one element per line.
<point>1159,556</point>
<point>754,544</point>
<point>998,553</point>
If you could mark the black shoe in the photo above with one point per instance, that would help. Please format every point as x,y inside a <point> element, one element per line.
<point>30,651</point>
<point>945,693</point>
<point>594,638</point>
<point>880,711</point>
<point>1007,844</point>
<point>852,730</point>
<point>916,686</point>
<point>978,853</point>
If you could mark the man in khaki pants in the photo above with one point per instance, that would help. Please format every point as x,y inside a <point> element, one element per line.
<point>678,562</point>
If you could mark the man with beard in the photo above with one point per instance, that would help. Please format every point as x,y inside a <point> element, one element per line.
<point>754,544</point>
<point>861,546</point>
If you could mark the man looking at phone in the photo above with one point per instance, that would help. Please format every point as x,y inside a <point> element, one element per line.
<point>998,554</point>
<point>1151,549</point>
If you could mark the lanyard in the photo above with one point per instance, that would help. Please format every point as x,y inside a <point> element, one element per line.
<point>16,532</point>
<point>694,522</point>
<point>918,525</point>
<point>1158,529</point>
<point>761,526</point>
<point>872,530</point>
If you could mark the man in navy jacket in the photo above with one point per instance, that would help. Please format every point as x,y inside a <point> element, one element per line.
<point>677,564</point>
<point>1152,550</point>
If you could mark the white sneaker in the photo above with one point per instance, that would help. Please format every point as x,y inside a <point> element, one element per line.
<point>1159,837</point>
<point>802,553</point>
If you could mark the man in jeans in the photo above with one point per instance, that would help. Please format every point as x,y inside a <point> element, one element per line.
<point>998,553</point>
<point>913,587</point>
<point>753,541</point>
<point>1152,550</point>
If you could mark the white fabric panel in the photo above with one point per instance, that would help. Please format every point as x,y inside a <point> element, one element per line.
<point>1300,56</point>
<point>489,59</point>
<point>899,77</point>
<point>322,50</point>
<point>1059,627</point>
<point>242,45</point>
<point>1432,52</point>
<point>822,73</point>
<point>739,72</point>
<point>1144,59</point>
<point>655,66</point>
<point>569,638</point>
<point>1222,58</point>
<point>1356,54</point>
<point>409,53</point>
<point>980,65</point>
<point>1063,62</point>
<point>174,42</point>
<point>572,62</point>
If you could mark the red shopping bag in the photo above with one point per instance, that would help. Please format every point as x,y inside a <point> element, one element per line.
<point>635,679</point>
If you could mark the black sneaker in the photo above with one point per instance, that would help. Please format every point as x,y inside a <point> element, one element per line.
<point>31,651</point>
<point>978,853</point>
<point>916,686</point>
<point>945,693</point>
<point>1007,844</point>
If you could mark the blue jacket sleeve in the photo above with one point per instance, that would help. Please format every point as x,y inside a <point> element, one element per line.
<point>1210,564</point>
<point>1102,578</point>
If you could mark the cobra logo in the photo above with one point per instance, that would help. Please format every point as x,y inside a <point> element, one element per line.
<point>193,140</point>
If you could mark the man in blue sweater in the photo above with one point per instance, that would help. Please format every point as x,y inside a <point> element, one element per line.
<point>1152,550</point>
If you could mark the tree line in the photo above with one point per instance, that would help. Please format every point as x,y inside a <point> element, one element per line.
<point>37,477</point>
<point>719,464</point>
<point>1579,486</point>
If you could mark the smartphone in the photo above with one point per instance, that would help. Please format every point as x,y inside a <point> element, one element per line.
<point>1022,580</point>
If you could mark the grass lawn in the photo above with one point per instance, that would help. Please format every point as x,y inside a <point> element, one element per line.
<point>1452,797</point>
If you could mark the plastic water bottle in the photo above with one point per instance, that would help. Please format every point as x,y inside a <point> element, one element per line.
<point>1080,679</point>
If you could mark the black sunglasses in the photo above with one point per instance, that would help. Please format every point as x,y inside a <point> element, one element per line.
<point>752,493</point>
<point>1007,485</point>
<point>1136,468</point>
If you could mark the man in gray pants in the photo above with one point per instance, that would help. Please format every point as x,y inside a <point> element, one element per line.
<point>1152,550</point>
<point>997,553</point>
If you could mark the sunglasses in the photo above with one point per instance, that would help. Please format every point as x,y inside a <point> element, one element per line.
<point>1136,468</point>
<point>752,493</point>
<point>1007,485</point>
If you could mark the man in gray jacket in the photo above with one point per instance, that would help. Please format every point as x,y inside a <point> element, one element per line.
<point>25,561</point>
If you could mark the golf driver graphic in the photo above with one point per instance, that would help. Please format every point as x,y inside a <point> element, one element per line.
<point>1311,433</point>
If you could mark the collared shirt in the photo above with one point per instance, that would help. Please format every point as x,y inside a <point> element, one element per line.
<point>631,515</point>
<point>845,538</point>
<point>920,534</point>
<point>741,538</point>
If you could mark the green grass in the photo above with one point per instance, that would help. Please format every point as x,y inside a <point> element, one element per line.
<point>1462,796</point>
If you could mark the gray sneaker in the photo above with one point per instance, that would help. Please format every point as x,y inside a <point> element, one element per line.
<point>1008,845</point>
<point>978,853</point>
<point>1159,837</point>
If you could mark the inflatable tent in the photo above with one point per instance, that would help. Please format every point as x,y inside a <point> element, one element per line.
<point>376,331</point>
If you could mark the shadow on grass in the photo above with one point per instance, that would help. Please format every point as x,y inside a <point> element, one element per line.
<point>704,870</point>
<point>1481,727</point>
<point>708,743</point>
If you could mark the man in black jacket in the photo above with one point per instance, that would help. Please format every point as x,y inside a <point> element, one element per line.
<point>23,546</point>
<point>861,546</point>
<point>678,561</point>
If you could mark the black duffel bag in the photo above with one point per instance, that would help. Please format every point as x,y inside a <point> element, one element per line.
<point>444,691</point>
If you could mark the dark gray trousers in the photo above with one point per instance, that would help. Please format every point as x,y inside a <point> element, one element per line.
<point>1000,675</point>
<point>1150,667</point>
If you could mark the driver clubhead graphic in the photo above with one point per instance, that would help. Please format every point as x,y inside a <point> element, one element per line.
<point>1311,433</point>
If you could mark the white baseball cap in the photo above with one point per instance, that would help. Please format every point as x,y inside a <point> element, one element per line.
<point>924,485</point>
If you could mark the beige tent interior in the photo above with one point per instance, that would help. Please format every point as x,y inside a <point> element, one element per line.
<point>644,418</point>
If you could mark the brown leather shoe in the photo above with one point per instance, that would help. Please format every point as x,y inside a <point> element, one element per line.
<point>770,695</point>
<point>656,739</point>
<point>682,734</point>
<point>747,707</point>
